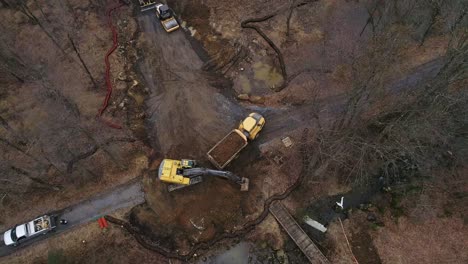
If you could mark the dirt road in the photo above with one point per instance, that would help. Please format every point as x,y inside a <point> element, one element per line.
<point>186,113</point>
<point>126,195</point>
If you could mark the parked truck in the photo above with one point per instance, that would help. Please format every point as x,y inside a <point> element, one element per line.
<point>229,146</point>
<point>40,225</point>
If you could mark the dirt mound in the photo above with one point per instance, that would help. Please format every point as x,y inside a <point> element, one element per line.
<point>186,114</point>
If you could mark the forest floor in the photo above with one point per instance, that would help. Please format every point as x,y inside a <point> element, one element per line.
<point>176,95</point>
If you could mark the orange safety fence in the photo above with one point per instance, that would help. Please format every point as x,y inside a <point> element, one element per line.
<point>108,78</point>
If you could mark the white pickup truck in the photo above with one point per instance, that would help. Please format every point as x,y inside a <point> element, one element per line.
<point>40,225</point>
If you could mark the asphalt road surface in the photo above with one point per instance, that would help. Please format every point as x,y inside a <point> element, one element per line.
<point>126,195</point>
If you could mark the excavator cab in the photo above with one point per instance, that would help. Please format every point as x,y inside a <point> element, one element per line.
<point>188,164</point>
<point>171,171</point>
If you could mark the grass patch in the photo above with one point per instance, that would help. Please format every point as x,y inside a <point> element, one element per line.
<point>56,257</point>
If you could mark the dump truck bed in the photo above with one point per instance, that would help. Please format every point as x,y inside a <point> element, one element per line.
<point>227,149</point>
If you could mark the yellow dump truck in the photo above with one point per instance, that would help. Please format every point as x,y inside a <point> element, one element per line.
<point>229,147</point>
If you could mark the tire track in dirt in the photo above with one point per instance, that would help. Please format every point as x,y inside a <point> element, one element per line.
<point>186,114</point>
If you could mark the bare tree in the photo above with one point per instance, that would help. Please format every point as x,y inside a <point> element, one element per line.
<point>388,133</point>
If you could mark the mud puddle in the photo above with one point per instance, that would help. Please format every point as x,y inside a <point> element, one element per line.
<point>268,74</point>
<point>257,78</point>
<point>326,209</point>
<point>239,254</point>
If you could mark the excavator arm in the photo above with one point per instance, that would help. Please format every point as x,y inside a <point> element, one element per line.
<point>183,173</point>
<point>195,172</point>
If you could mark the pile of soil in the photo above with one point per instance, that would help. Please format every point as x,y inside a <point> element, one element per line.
<point>227,148</point>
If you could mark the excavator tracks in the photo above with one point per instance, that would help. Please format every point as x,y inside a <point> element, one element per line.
<point>193,181</point>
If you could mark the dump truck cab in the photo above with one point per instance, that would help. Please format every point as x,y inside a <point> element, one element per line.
<point>252,125</point>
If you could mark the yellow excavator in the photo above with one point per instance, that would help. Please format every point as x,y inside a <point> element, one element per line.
<point>183,173</point>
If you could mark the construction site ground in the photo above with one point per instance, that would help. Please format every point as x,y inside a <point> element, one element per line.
<point>175,96</point>
<point>180,76</point>
<point>179,103</point>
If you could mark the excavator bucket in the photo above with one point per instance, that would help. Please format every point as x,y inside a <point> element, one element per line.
<point>244,185</point>
<point>146,5</point>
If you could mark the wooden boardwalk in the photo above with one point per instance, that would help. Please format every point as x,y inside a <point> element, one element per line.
<point>293,229</point>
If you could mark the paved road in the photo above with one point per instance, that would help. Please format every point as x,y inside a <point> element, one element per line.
<point>126,195</point>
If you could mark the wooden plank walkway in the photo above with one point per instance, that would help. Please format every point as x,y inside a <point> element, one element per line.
<point>293,229</point>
